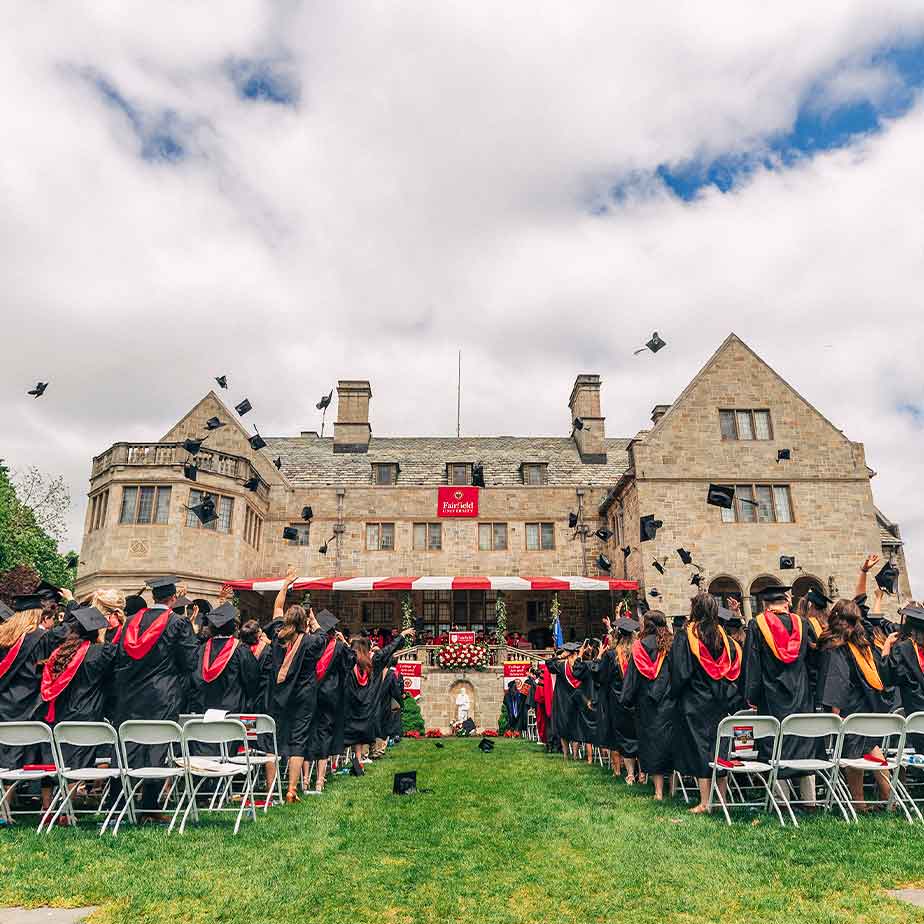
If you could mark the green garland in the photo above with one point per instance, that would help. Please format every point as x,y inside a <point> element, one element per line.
<point>407,613</point>
<point>500,611</point>
<point>554,610</point>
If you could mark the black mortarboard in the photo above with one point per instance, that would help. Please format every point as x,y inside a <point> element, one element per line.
<point>90,619</point>
<point>134,604</point>
<point>685,556</point>
<point>478,475</point>
<point>405,784</point>
<point>39,389</point>
<point>696,579</point>
<point>222,615</point>
<point>648,527</point>
<point>578,423</point>
<point>325,401</point>
<point>775,593</point>
<point>222,381</point>
<point>252,483</point>
<point>289,532</point>
<point>727,615</point>
<point>24,602</point>
<point>887,578</point>
<point>783,455</point>
<point>658,566</point>
<point>163,586</point>
<point>626,551</point>
<point>787,562</point>
<point>817,598</point>
<point>721,495</point>
<point>656,343</point>
<point>271,628</point>
<point>213,423</point>
<point>307,513</point>
<point>439,745</point>
<point>5,612</point>
<point>912,616</point>
<point>654,592</point>
<point>256,442</point>
<point>678,622</point>
<point>603,563</point>
<point>182,602</point>
<point>571,647</point>
<point>204,606</point>
<point>327,620</point>
<point>47,590</point>
<point>278,462</point>
<point>604,534</point>
<point>192,446</point>
<point>572,520</point>
<point>486,745</point>
<point>190,471</point>
<point>243,407</point>
<point>205,510</point>
<point>627,625</point>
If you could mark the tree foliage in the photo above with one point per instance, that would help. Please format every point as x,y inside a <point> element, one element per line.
<point>503,722</point>
<point>411,716</point>
<point>32,511</point>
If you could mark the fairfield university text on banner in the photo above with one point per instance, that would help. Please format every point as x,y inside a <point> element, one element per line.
<point>457,502</point>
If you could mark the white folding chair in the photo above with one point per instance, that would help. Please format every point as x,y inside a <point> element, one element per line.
<point>532,729</point>
<point>81,735</point>
<point>814,725</point>
<point>227,733</point>
<point>256,725</point>
<point>911,762</point>
<point>23,734</point>
<point>151,733</point>
<point>760,727</point>
<point>882,726</point>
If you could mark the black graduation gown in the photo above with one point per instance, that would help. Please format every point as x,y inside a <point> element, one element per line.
<point>154,687</point>
<point>234,689</point>
<point>515,703</point>
<point>295,699</point>
<point>394,693</point>
<point>569,701</point>
<point>326,736</point>
<point>890,697</point>
<point>844,688</point>
<point>617,727</point>
<point>905,671</point>
<point>654,710</point>
<point>363,703</point>
<point>701,704</point>
<point>779,689</point>
<point>19,694</point>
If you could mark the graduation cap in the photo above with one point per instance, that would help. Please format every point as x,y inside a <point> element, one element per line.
<point>47,590</point>
<point>696,579</point>
<point>439,744</point>
<point>205,510</point>
<point>627,625</point>
<point>181,603</point>
<point>604,534</point>
<point>163,587</point>
<point>222,381</point>
<point>654,592</point>
<point>685,556</point>
<point>730,617</point>
<point>307,513</point>
<point>787,562</point>
<point>721,495</point>
<point>323,548</point>
<point>243,407</point>
<point>213,423</point>
<point>571,647</point>
<point>327,620</point>
<point>912,617</point>
<point>658,566</point>
<point>90,619</point>
<point>654,344</point>
<point>783,455</point>
<point>678,622</point>
<point>648,527</point>
<point>278,462</point>
<point>887,578</point>
<point>478,475</point>
<point>256,442</point>
<point>603,563</point>
<point>468,725</point>
<point>578,423</point>
<point>134,604</point>
<point>192,446</point>
<point>486,745</point>
<point>289,532</point>
<point>405,784</point>
<point>626,551</point>
<point>324,403</point>
<point>204,606</point>
<point>572,520</point>
<point>73,559</point>
<point>817,598</point>
<point>252,483</point>
<point>39,389</point>
<point>223,615</point>
<point>190,471</point>
<point>775,593</point>
<point>860,600</point>
<point>5,612</point>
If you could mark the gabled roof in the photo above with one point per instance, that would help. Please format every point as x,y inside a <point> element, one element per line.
<point>888,531</point>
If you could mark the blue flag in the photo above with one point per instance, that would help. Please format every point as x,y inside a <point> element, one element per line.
<point>556,631</point>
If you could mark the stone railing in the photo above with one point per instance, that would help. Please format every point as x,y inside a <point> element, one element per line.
<point>497,654</point>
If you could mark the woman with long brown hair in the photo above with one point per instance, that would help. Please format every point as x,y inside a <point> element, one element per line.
<point>647,687</point>
<point>705,664</point>
<point>617,723</point>
<point>853,675</point>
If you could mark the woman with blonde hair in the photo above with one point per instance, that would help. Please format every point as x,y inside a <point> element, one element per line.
<point>111,603</point>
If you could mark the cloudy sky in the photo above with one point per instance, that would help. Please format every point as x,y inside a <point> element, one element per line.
<point>295,192</point>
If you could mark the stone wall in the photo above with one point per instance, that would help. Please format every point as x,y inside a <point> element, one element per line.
<point>438,692</point>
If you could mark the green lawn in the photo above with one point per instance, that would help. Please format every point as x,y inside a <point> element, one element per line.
<point>511,836</point>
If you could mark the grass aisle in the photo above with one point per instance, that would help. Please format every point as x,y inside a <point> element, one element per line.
<point>511,836</point>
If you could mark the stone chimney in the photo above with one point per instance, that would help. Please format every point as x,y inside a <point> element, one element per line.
<point>585,407</point>
<point>657,412</point>
<point>352,431</point>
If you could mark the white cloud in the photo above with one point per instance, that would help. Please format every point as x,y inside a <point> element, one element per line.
<point>428,192</point>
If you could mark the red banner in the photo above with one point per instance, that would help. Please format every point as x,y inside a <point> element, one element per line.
<point>457,502</point>
<point>409,672</point>
<point>516,670</point>
<point>461,638</point>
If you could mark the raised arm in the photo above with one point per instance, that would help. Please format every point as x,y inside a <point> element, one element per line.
<point>279,607</point>
<point>865,568</point>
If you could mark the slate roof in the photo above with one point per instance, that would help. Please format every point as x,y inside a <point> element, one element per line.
<point>310,460</point>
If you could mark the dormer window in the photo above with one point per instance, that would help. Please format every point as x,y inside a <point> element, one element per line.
<point>459,473</point>
<point>534,473</point>
<point>385,473</point>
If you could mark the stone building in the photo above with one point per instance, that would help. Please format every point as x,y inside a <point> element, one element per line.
<point>374,505</point>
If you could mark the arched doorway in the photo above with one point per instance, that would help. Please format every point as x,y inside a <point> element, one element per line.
<point>724,588</point>
<point>757,586</point>
<point>801,587</point>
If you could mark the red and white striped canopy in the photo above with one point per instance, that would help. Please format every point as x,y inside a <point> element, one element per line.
<point>502,582</point>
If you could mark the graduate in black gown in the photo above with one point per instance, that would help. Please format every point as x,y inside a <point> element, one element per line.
<point>647,689</point>
<point>854,677</point>
<point>227,675</point>
<point>157,655</point>
<point>24,642</point>
<point>394,697</point>
<point>617,722</point>
<point>325,739</point>
<point>571,691</point>
<point>878,629</point>
<point>904,654</point>
<point>262,650</point>
<point>515,703</point>
<point>364,693</point>
<point>776,670</point>
<point>705,664</point>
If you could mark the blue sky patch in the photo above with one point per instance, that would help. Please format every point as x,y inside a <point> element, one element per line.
<point>263,81</point>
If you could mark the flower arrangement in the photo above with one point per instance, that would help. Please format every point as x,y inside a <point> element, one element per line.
<point>511,734</point>
<point>489,733</point>
<point>456,657</point>
<point>433,733</point>
<point>459,730</point>
<point>412,734</point>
